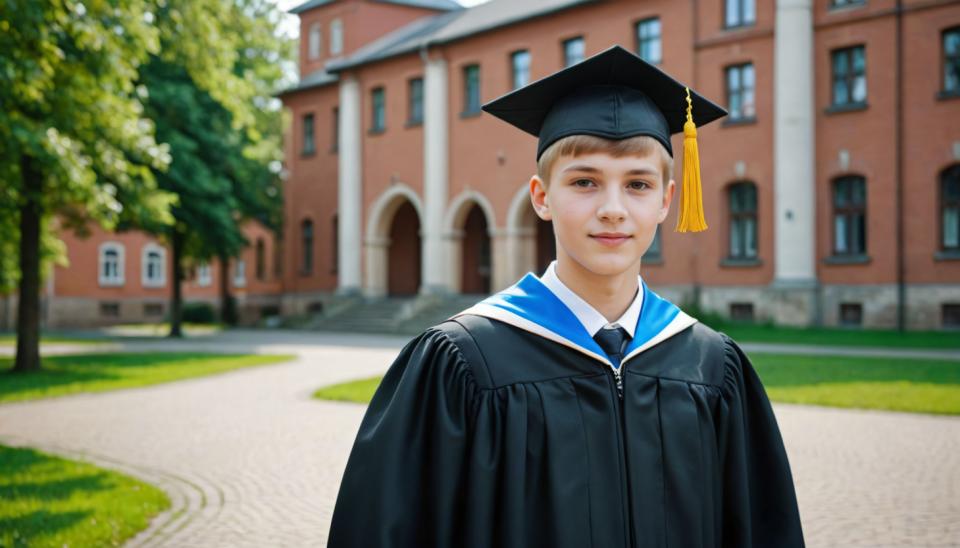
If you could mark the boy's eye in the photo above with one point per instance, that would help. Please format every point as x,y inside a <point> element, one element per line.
<point>583,183</point>
<point>638,185</point>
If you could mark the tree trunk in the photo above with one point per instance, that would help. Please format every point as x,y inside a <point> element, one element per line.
<point>228,313</point>
<point>176,298</point>
<point>28,307</point>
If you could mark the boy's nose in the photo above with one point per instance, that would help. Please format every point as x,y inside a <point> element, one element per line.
<point>612,207</point>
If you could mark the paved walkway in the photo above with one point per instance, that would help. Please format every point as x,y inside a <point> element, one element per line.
<point>250,460</point>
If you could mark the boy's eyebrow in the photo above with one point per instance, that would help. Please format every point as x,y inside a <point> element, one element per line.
<point>591,169</point>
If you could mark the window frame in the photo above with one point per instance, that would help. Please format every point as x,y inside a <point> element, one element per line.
<point>239,273</point>
<point>844,4</point>
<point>640,40</point>
<point>145,279</point>
<point>654,253</point>
<point>945,179</point>
<point>378,95</point>
<point>741,17</point>
<point>119,280</point>
<point>740,69</point>
<point>850,78</point>
<point>524,69</point>
<point>565,53</point>
<point>739,220</point>
<point>307,249</point>
<point>944,59</point>
<point>308,134</point>
<point>260,260</point>
<point>204,275</point>
<point>336,37</point>
<point>469,108</point>
<point>315,41</point>
<point>335,137</point>
<point>849,212</point>
<point>415,105</point>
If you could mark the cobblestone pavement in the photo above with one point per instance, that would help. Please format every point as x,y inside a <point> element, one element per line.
<point>250,460</point>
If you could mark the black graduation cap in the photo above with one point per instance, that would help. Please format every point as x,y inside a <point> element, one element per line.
<point>614,94</point>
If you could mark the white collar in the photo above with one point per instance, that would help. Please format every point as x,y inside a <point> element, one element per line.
<point>592,320</point>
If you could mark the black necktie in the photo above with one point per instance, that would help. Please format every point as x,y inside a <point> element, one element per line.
<point>613,342</point>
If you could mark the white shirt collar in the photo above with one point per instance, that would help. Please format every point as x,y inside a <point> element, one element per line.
<point>592,320</point>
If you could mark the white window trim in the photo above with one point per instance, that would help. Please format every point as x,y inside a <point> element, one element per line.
<point>105,281</point>
<point>162,279</point>
<point>315,41</point>
<point>336,37</point>
<point>204,275</point>
<point>240,273</point>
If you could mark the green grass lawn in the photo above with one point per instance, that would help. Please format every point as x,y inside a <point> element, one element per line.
<point>49,501</point>
<point>9,339</point>
<point>823,336</point>
<point>100,372</point>
<point>918,386</point>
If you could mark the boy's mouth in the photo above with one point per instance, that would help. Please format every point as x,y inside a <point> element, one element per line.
<point>611,239</point>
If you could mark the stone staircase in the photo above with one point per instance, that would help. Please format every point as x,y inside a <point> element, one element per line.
<point>393,315</point>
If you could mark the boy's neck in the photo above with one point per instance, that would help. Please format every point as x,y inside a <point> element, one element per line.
<point>611,296</point>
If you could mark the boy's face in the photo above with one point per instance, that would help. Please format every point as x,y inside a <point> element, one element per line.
<point>605,210</point>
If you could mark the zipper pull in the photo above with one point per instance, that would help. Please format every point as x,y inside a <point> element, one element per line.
<point>619,376</point>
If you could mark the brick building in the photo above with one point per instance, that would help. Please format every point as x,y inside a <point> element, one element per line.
<point>832,190</point>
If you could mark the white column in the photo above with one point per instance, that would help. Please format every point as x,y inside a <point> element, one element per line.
<point>349,187</point>
<point>436,275</point>
<point>794,175</point>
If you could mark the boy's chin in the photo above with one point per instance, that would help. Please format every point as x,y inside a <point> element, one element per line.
<point>611,265</point>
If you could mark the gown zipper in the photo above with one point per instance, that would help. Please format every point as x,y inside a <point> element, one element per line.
<point>622,430</point>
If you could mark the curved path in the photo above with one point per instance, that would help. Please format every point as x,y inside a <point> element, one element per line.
<point>250,460</point>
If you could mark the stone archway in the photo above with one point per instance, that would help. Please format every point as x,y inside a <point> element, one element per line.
<point>393,244</point>
<point>469,232</point>
<point>530,241</point>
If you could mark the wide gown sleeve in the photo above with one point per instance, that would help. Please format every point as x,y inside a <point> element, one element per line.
<point>404,480</point>
<point>759,501</point>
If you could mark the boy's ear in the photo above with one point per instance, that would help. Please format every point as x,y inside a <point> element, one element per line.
<point>667,198</point>
<point>538,197</point>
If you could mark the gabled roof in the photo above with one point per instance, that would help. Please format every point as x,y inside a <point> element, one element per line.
<point>449,27</point>
<point>441,5</point>
<point>315,79</point>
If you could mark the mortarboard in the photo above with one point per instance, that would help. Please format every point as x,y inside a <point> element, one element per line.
<point>615,94</point>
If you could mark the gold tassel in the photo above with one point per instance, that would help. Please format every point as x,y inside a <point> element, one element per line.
<point>691,198</point>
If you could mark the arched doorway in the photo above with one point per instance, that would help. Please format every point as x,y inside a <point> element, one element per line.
<point>403,256</point>
<point>531,244</point>
<point>546,244</point>
<point>475,269</point>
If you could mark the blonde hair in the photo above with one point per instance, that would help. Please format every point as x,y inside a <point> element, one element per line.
<point>576,145</point>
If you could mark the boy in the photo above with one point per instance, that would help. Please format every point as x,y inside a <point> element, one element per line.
<point>578,409</point>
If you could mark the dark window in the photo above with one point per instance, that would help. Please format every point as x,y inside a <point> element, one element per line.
<point>261,260</point>
<point>335,245</point>
<point>378,121</point>
<point>950,209</point>
<point>740,92</point>
<point>415,114</point>
<point>110,310</point>
<point>648,40</point>
<point>849,76</point>
<point>851,314</point>
<point>743,221</point>
<point>951,60</point>
<point>573,51</point>
<point>849,216</point>
<point>309,146</point>
<point>335,137</point>
<point>306,247</point>
<point>739,13</point>
<point>950,313</point>
<point>741,312</point>
<point>471,89</point>
<point>655,251</point>
<point>520,68</point>
<point>845,3</point>
<point>153,309</point>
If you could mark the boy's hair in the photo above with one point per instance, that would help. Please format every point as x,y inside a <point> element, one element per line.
<point>576,145</point>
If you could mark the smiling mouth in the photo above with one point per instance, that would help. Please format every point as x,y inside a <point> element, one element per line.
<point>611,239</point>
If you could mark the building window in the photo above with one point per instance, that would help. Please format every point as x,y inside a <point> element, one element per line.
<point>335,137</point>
<point>846,3</point>
<point>153,309</point>
<point>239,273</point>
<point>648,40</point>
<point>851,314</point>
<point>415,90</point>
<point>654,252</point>
<point>950,208</point>
<point>378,122</point>
<point>204,277</point>
<point>314,41</point>
<point>109,310</point>
<point>471,89</point>
<point>261,260</point>
<point>849,216</point>
<point>309,145</point>
<point>154,266</point>
<point>743,221</point>
<point>951,61</point>
<point>573,51</point>
<point>111,264</point>
<point>950,315</point>
<point>306,247</point>
<point>739,13</point>
<point>336,37</point>
<point>849,76</point>
<point>335,245</point>
<point>741,312</point>
<point>520,68</point>
<point>740,92</point>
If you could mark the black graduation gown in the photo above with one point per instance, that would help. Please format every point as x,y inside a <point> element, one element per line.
<point>490,432</point>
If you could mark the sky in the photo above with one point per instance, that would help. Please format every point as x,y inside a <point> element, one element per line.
<point>291,25</point>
